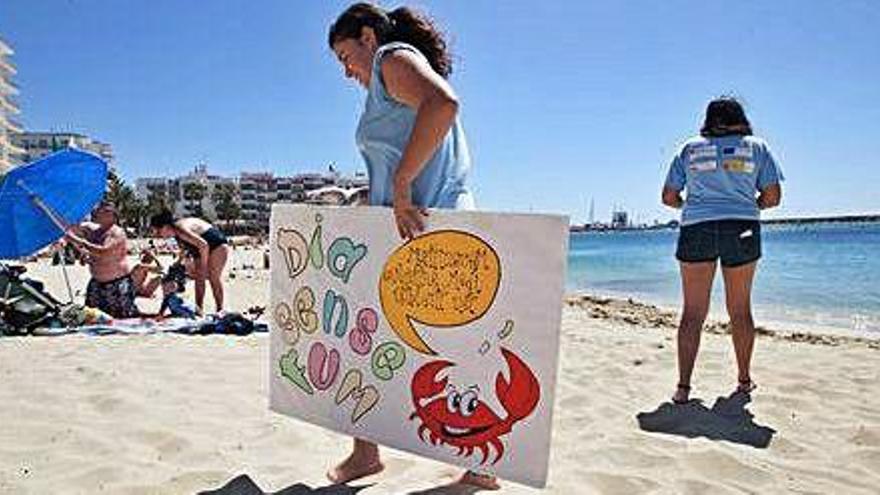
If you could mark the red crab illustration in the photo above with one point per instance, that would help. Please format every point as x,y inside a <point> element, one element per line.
<point>461,419</point>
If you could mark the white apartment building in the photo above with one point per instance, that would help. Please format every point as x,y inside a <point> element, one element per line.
<point>255,192</point>
<point>10,154</point>
<point>259,191</point>
<point>35,145</point>
<point>190,194</point>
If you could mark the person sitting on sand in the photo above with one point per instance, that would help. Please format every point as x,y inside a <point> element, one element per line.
<point>173,283</point>
<point>105,244</point>
<point>729,176</point>
<point>145,284</point>
<point>205,243</point>
<point>410,137</point>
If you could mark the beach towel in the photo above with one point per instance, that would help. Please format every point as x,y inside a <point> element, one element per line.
<point>142,326</point>
<point>230,323</point>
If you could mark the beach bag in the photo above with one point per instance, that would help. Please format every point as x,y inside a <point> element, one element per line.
<point>24,303</point>
<point>229,324</point>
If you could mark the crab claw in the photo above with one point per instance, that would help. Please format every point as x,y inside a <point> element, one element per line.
<point>424,383</point>
<point>520,395</point>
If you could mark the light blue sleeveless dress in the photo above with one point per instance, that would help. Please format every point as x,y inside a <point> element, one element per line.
<point>382,134</point>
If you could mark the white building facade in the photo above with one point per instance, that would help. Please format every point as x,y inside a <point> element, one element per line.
<point>255,193</point>
<point>10,154</point>
<point>193,194</point>
<point>35,145</point>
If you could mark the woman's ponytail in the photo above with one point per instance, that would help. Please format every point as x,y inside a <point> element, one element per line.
<point>402,24</point>
<point>415,29</point>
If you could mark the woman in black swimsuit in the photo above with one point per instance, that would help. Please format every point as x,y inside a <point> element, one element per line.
<point>205,243</point>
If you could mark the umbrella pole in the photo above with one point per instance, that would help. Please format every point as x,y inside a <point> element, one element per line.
<point>38,201</point>
<point>66,277</point>
<point>51,214</point>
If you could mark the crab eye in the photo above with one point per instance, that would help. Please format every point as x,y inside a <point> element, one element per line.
<point>453,400</point>
<point>469,403</point>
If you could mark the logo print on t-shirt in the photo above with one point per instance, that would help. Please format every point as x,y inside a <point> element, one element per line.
<point>739,166</point>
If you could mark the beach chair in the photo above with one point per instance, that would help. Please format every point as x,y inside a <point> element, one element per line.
<point>24,303</point>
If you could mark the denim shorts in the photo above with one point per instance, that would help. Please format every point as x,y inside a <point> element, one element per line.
<point>735,242</point>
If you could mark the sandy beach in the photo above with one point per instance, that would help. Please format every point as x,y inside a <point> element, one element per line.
<point>171,414</point>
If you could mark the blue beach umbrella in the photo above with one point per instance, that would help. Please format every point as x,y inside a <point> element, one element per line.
<point>40,199</point>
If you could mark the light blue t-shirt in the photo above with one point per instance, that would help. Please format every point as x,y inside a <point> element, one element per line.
<point>382,134</point>
<point>722,177</point>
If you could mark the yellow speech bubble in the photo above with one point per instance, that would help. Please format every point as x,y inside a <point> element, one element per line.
<point>445,278</point>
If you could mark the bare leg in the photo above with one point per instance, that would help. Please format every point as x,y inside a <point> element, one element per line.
<point>738,293</point>
<point>200,292</point>
<point>216,263</point>
<point>696,283</point>
<point>144,285</point>
<point>148,288</point>
<point>189,265</point>
<point>139,275</point>
<point>363,461</point>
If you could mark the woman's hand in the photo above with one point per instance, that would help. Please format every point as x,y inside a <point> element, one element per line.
<point>410,219</point>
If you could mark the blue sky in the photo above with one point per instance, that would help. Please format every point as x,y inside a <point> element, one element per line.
<point>562,101</point>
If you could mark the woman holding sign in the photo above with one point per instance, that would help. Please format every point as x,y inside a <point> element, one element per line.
<point>729,176</point>
<point>409,135</point>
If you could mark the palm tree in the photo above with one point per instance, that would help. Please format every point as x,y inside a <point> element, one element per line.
<point>194,192</point>
<point>226,203</point>
<point>158,200</point>
<point>123,198</point>
<point>140,214</point>
<point>115,184</point>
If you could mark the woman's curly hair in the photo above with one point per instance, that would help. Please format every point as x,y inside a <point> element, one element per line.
<point>401,24</point>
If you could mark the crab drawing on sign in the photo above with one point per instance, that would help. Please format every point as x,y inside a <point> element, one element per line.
<point>459,418</point>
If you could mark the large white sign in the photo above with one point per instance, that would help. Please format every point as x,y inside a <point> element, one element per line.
<point>445,346</point>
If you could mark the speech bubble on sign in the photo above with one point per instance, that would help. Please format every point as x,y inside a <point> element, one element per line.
<point>445,278</point>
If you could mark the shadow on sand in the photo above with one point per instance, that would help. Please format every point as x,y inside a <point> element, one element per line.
<point>244,485</point>
<point>728,419</point>
<point>456,488</point>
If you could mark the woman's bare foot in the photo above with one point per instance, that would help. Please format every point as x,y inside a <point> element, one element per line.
<point>682,393</point>
<point>746,386</point>
<point>363,461</point>
<point>352,469</point>
<point>483,481</point>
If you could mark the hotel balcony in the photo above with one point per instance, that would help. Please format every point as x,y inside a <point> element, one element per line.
<point>13,125</point>
<point>8,87</point>
<point>10,104</point>
<point>6,67</point>
<point>12,149</point>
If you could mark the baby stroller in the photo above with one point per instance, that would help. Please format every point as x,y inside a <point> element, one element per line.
<point>24,303</point>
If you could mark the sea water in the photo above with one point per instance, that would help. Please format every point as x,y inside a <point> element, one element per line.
<point>811,276</point>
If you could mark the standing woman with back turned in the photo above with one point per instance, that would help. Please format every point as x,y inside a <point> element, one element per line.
<point>729,176</point>
<point>409,135</point>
